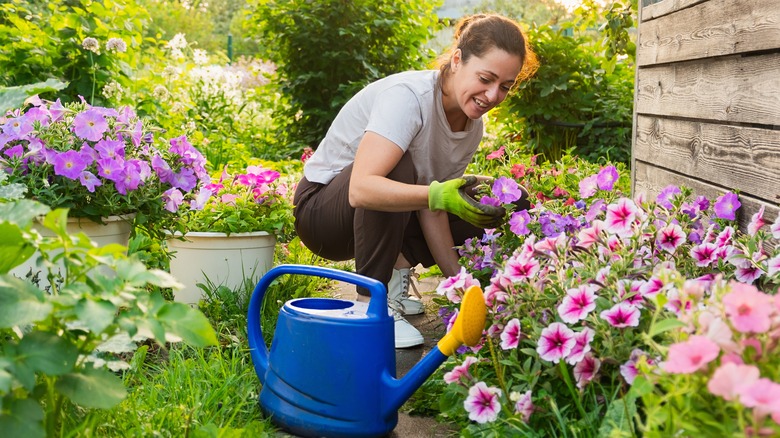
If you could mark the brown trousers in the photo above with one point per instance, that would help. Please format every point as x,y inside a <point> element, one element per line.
<point>332,229</point>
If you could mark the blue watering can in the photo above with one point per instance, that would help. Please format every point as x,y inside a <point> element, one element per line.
<point>331,367</point>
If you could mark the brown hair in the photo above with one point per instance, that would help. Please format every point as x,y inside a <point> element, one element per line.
<point>477,34</point>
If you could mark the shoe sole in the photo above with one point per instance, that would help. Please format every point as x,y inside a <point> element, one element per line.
<point>406,343</point>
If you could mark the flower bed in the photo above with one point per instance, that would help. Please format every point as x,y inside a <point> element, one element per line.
<point>585,295</point>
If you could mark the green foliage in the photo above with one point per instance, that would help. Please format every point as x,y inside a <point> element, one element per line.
<point>58,345</point>
<point>527,11</point>
<point>327,50</point>
<point>44,40</point>
<point>14,97</point>
<point>571,102</point>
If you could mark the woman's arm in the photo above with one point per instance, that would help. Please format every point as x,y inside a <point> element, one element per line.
<point>436,229</point>
<point>369,186</point>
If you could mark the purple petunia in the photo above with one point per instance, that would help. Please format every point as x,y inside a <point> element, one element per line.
<point>606,178</point>
<point>664,199</point>
<point>506,190</point>
<point>726,206</point>
<point>90,124</point>
<point>69,164</point>
<point>518,222</point>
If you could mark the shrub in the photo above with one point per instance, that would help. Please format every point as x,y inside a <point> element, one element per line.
<point>327,50</point>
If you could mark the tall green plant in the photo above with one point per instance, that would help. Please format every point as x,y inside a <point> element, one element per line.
<point>327,50</point>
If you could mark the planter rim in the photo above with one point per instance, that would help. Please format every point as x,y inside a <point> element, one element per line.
<point>219,234</point>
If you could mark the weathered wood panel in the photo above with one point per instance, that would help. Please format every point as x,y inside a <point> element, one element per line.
<point>746,159</point>
<point>728,89</point>
<point>650,180</point>
<point>665,7</point>
<point>713,28</point>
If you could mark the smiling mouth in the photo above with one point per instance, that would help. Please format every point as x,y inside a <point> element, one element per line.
<point>481,103</point>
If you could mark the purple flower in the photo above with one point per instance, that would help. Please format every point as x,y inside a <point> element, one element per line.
<point>90,124</point>
<point>586,370</point>
<point>56,110</point>
<point>775,228</point>
<point>506,190</point>
<point>482,403</point>
<point>702,203</point>
<point>518,222</point>
<point>664,198</point>
<point>489,200</point>
<point>108,148</point>
<point>162,169</point>
<point>17,128</point>
<point>200,199</point>
<point>588,186</point>
<point>726,206</point>
<point>15,151</point>
<point>621,315</point>
<point>556,342</point>
<point>607,177</point>
<point>110,169</point>
<point>89,180</point>
<point>173,199</point>
<point>184,179</point>
<point>69,164</point>
<point>129,179</point>
<point>524,406</point>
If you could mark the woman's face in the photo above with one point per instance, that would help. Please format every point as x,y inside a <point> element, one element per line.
<point>483,82</point>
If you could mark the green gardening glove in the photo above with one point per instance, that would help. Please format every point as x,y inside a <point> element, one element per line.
<point>450,196</point>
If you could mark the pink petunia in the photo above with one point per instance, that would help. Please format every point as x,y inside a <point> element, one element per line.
<point>510,337</point>
<point>519,268</point>
<point>453,287</point>
<point>730,379</point>
<point>651,287</point>
<point>773,265</point>
<point>556,342</point>
<point>763,396</point>
<point>524,406</point>
<point>460,372</point>
<point>586,370</point>
<point>495,154</point>
<point>620,217</point>
<point>775,228</point>
<point>748,309</point>
<point>577,304</point>
<point>748,273</point>
<point>621,315</point>
<point>497,291</point>
<point>704,254</point>
<point>582,340</point>
<point>482,403</point>
<point>591,235</point>
<point>756,222</point>
<point>588,186</point>
<point>670,237</point>
<point>628,370</point>
<point>691,355</point>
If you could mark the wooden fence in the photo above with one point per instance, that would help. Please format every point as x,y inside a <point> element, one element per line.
<point>707,100</point>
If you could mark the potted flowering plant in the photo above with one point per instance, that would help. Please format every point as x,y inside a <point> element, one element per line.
<point>97,162</point>
<point>229,233</point>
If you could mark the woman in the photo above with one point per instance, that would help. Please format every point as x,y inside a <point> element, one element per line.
<point>386,186</point>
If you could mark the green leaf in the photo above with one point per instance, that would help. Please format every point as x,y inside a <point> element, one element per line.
<point>92,388</point>
<point>97,315</point>
<point>618,417</point>
<point>22,212</point>
<point>22,417</point>
<point>14,97</point>
<point>21,302</point>
<point>13,248</point>
<point>47,353</point>
<point>665,325</point>
<point>191,325</point>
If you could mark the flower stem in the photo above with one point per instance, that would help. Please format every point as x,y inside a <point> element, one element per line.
<point>574,393</point>
<point>497,365</point>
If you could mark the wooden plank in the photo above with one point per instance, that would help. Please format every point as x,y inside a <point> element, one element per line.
<point>651,180</point>
<point>665,7</point>
<point>729,89</point>
<point>714,28</point>
<point>746,159</point>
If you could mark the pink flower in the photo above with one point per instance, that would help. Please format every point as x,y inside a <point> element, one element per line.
<point>670,237</point>
<point>460,371</point>
<point>747,273</point>
<point>588,186</point>
<point>556,342</point>
<point>607,177</point>
<point>775,228</point>
<point>173,199</point>
<point>519,268</point>
<point>691,355</point>
<point>577,304</point>
<point>482,403</point>
<point>620,217</point>
<point>773,265</point>
<point>586,370</point>
<point>628,370</point>
<point>496,154</point>
<point>581,347</point>
<point>454,286</point>
<point>730,379</point>
<point>704,254</point>
<point>748,309</point>
<point>510,337</point>
<point>621,315</point>
<point>651,287</point>
<point>763,396</point>
<point>524,406</point>
<point>756,222</point>
<point>588,236</point>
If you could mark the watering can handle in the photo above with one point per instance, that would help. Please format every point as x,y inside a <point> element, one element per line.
<point>377,307</point>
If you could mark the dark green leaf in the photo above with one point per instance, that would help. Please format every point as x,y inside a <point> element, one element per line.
<point>20,302</point>
<point>97,315</point>
<point>92,388</point>
<point>22,418</point>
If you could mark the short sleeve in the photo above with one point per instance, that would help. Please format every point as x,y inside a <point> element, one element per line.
<point>396,115</point>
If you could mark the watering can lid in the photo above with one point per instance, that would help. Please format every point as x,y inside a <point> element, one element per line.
<point>333,308</point>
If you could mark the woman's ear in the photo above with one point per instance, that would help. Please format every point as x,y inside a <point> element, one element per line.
<point>456,59</point>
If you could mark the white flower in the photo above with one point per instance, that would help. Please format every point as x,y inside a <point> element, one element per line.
<point>200,56</point>
<point>113,91</point>
<point>178,42</point>
<point>160,92</point>
<point>116,44</point>
<point>91,44</point>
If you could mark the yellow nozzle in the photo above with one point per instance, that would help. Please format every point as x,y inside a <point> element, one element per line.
<point>469,323</point>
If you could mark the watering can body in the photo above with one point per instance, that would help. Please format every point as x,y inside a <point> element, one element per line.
<point>330,370</point>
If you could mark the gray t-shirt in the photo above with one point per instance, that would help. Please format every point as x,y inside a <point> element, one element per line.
<point>406,108</point>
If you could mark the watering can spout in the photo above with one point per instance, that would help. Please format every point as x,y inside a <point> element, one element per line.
<point>467,330</point>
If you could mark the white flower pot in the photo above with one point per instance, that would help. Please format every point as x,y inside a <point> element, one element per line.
<point>219,259</point>
<point>115,229</point>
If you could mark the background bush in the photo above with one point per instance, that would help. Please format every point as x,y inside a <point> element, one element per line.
<point>327,50</point>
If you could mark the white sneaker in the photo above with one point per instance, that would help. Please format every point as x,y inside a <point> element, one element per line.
<point>398,293</point>
<point>406,335</point>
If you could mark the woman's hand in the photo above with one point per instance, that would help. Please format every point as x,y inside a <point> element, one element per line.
<point>450,196</point>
